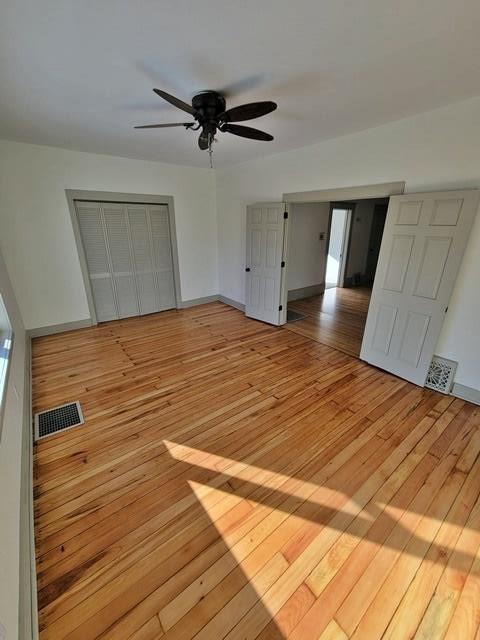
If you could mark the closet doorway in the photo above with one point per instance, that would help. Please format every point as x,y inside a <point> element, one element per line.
<point>128,253</point>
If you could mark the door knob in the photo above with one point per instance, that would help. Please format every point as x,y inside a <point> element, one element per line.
<point>247,269</point>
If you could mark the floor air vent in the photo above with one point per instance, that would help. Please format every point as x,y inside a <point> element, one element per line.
<point>58,419</point>
<point>440,374</point>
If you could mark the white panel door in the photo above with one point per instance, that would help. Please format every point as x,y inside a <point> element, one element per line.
<point>265,253</point>
<point>422,247</point>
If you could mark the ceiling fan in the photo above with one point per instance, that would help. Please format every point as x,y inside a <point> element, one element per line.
<point>209,111</point>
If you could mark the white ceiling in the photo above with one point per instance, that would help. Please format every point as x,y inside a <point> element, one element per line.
<point>79,73</point>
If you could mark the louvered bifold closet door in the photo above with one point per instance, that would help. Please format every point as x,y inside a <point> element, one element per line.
<point>118,237</point>
<point>142,249</point>
<point>162,255</point>
<point>91,225</point>
<point>129,257</point>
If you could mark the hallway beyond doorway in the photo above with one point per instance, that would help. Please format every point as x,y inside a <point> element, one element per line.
<point>335,318</point>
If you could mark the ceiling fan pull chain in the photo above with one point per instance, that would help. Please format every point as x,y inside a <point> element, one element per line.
<point>210,150</point>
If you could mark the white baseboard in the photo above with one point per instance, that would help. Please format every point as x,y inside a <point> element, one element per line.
<point>59,328</point>
<point>28,612</point>
<point>306,292</point>
<point>466,393</point>
<point>185,304</point>
<point>82,324</point>
<point>232,303</point>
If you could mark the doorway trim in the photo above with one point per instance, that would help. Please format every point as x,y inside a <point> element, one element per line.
<point>113,196</point>
<point>362,192</point>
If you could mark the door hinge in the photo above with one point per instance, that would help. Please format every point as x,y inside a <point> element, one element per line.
<point>285,214</point>
<point>280,307</point>
<point>282,264</point>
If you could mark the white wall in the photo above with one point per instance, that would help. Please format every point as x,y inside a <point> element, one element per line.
<point>434,150</point>
<point>10,467</point>
<point>36,231</point>
<point>306,265</point>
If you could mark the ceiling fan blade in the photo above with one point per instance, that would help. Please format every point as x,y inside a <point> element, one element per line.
<point>203,141</point>
<point>246,132</point>
<point>247,111</point>
<point>162,126</point>
<point>175,101</point>
<point>242,85</point>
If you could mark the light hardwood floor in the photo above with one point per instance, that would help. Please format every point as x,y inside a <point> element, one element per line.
<point>336,318</point>
<point>236,480</point>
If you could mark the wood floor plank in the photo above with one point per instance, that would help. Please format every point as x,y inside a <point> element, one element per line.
<point>440,610</point>
<point>237,480</point>
<point>409,613</point>
<point>466,618</point>
<point>377,615</point>
<point>333,632</point>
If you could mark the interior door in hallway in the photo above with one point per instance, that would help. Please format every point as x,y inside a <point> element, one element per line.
<point>422,248</point>
<point>337,246</point>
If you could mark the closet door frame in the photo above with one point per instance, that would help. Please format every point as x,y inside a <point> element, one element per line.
<point>120,198</point>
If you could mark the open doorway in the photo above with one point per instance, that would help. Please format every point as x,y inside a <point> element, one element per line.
<point>337,244</point>
<point>422,245</point>
<point>329,300</point>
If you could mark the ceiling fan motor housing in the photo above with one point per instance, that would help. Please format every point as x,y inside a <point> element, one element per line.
<point>209,104</point>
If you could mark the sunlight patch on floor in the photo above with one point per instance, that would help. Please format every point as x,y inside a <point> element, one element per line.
<point>243,472</point>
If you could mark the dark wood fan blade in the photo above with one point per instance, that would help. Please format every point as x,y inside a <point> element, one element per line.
<point>203,141</point>
<point>246,132</point>
<point>247,111</point>
<point>162,126</point>
<point>175,101</point>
